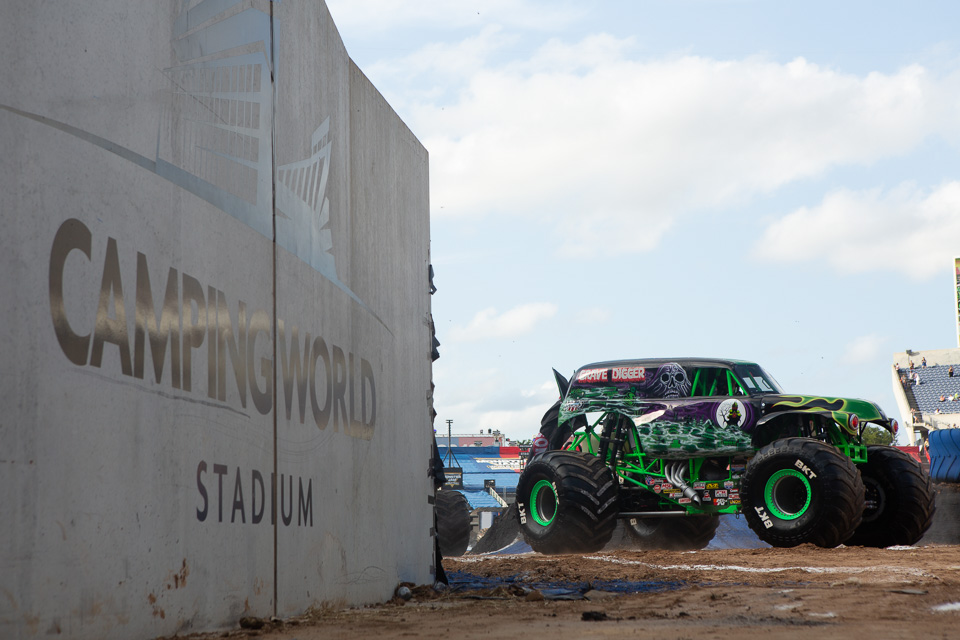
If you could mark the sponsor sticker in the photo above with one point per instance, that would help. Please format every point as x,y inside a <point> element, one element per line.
<point>720,493</point>
<point>713,485</point>
<point>700,486</point>
<point>729,484</point>
<point>684,501</point>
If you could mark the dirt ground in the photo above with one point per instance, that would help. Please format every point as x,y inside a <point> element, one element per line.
<point>805,592</point>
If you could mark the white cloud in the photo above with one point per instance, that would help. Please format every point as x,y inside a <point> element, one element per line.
<point>517,417</point>
<point>445,64</point>
<point>380,15</point>
<point>610,151</point>
<point>906,229</point>
<point>517,321</point>
<point>543,390</point>
<point>521,424</point>
<point>864,349</point>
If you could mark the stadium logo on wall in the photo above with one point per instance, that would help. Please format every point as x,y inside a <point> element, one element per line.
<point>216,135</point>
<point>731,413</point>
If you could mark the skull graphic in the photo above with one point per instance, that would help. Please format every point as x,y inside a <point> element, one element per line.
<point>671,381</point>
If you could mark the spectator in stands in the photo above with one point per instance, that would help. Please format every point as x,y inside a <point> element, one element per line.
<point>911,364</point>
<point>923,362</point>
<point>942,398</point>
<point>903,379</point>
<point>916,378</point>
<point>950,371</point>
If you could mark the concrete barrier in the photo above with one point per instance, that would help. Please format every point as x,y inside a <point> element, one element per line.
<point>214,337</point>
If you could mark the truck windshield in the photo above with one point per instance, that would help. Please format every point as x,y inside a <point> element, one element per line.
<point>756,379</point>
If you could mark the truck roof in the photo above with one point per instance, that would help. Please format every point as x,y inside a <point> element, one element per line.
<point>656,362</point>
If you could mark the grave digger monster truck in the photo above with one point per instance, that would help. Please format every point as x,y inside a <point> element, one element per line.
<point>668,446</point>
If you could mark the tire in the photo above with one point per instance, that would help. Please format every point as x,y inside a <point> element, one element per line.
<point>453,523</point>
<point>944,442</point>
<point>567,503</point>
<point>899,499</point>
<point>944,449</point>
<point>680,533</point>
<point>799,490</point>
<point>945,468</point>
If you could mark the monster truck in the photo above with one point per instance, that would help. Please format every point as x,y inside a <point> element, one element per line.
<point>668,446</point>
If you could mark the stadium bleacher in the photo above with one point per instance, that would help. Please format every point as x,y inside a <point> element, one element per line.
<point>934,383</point>
<point>500,464</point>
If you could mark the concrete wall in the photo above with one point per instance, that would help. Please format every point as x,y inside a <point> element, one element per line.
<point>214,337</point>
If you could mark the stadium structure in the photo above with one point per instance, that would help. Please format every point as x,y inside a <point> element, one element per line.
<point>926,384</point>
<point>488,479</point>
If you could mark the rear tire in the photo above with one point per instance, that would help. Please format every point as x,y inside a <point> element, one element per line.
<point>681,533</point>
<point>800,490</point>
<point>900,500</point>
<point>453,523</point>
<point>567,503</point>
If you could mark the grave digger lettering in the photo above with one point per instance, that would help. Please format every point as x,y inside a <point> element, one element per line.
<point>192,319</point>
<point>615,375</point>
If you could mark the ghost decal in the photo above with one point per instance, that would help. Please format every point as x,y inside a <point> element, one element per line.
<point>671,381</point>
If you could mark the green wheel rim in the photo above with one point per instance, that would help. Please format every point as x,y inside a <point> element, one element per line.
<point>787,494</point>
<point>543,500</point>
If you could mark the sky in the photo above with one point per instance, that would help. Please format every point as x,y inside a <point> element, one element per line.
<point>769,181</point>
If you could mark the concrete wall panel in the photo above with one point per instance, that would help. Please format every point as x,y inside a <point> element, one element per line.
<point>366,422</point>
<point>149,159</point>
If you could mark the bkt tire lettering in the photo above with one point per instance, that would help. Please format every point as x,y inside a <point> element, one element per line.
<point>807,471</point>
<point>764,517</point>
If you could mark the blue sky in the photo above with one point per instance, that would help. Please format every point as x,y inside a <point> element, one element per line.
<point>771,181</point>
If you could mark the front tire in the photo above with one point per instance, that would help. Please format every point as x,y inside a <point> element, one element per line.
<point>800,490</point>
<point>567,503</point>
<point>681,533</point>
<point>900,499</point>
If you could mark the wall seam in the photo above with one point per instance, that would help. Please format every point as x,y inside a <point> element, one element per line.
<point>273,268</point>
